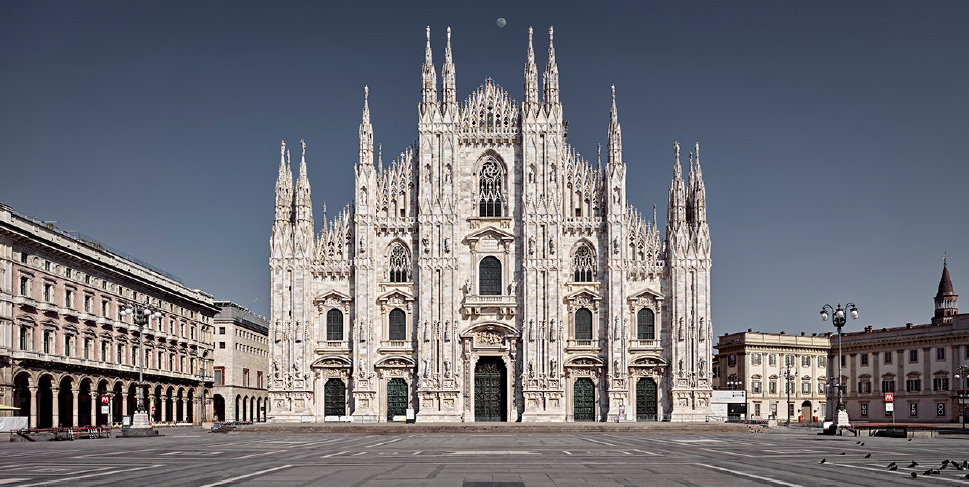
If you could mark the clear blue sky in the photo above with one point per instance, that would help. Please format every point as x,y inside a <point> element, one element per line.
<point>833,134</point>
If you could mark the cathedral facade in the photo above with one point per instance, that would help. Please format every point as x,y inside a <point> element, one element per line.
<point>490,273</point>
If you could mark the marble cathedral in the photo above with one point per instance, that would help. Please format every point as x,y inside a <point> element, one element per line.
<point>490,273</point>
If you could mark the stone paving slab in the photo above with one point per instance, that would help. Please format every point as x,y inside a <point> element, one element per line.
<point>498,427</point>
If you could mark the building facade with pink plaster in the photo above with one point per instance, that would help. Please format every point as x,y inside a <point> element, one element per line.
<point>65,348</point>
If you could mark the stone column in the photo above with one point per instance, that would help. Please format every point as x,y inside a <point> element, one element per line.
<point>55,407</point>
<point>95,401</point>
<point>124,404</point>
<point>164,407</point>
<point>151,404</point>
<point>33,407</point>
<point>75,409</point>
<point>185,406</point>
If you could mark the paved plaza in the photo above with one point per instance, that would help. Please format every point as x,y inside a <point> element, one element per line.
<point>193,457</point>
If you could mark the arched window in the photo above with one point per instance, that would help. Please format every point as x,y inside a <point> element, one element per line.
<point>584,263</point>
<point>334,325</point>
<point>398,325</point>
<point>645,324</point>
<point>399,264</point>
<point>489,276</point>
<point>583,324</point>
<point>489,187</point>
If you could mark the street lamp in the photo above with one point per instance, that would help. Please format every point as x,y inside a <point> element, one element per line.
<point>789,375</point>
<point>734,383</point>
<point>839,322</point>
<point>962,372</point>
<point>141,315</point>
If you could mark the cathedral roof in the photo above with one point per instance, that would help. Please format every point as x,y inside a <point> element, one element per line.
<point>489,108</point>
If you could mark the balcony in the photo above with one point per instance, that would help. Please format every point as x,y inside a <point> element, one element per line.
<point>581,345</point>
<point>332,347</point>
<point>503,304</point>
<point>396,346</point>
<point>644,344</point>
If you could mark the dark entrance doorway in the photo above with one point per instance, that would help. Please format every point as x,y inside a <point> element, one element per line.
<point>396,398</point>
<point>645,400</point>
<point>489,390</point>
<point>335,397</point>
<point>218,408</point>
<point>584,400</point>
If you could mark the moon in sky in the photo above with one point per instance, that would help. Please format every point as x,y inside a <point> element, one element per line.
<point>501,22</point>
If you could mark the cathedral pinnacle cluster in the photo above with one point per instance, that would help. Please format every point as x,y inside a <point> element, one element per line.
<point>490,273</point>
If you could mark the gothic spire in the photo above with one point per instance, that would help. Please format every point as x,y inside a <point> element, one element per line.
<point>429,79</point>
<point>615,133</point>
<point>366,132</point>
<point>284,186</point>
<point>698,192</point>
<point>304,204</point>
<point>531,77</point>
<point>677,204</point>
<point>551,95</point>
<point>448,87</point>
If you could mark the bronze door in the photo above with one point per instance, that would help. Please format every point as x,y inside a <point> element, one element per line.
<point>645,399</point>
<point>489,390</point>
<point>584,400</point>
<point>396,398</point>
<point>334,398</point>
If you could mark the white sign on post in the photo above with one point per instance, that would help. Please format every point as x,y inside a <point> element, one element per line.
<point>890,407</point>
<point>104,409</point>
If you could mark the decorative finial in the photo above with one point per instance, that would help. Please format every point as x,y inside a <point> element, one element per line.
<point>448,34</point>
<point>366,92</point>
<point>302,144</point>
<point>428,33</point>
<point>599,154</point>
<point>287,157</point>
<point>613,94</point>
<point>945,259</point>
<point>282,147</point>
<point>676,150</point>
<point>551,32</point>
<point>529,33</point>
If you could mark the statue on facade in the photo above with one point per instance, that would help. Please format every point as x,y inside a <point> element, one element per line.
<point>447,368</point>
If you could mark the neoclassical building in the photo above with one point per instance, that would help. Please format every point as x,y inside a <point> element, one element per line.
<point>490,273</point>
<point>65,347</point>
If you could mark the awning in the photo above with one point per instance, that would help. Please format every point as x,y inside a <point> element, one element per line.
<point>7,407</point>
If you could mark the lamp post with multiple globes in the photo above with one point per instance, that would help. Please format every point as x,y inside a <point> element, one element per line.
<point>141,315</point>
<point>790,377</point>
<point>839,319</point>
<point>962,373</point>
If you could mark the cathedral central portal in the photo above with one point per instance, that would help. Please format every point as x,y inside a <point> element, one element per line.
<point>490,273</point>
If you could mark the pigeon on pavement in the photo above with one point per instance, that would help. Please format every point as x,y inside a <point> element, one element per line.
<point>867,455</point>
<point>914,464</point>
<point>914,475</point>
<point>822,461</point>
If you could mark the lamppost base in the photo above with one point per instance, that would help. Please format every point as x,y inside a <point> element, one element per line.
<point>841,419</point>
<point>140,426</point>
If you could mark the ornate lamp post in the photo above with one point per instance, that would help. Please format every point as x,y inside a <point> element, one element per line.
<point>962,372</point>
<point>141,315</point>
<point>789,375</point>
<point>734,383</point>
<point>839,319</point>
